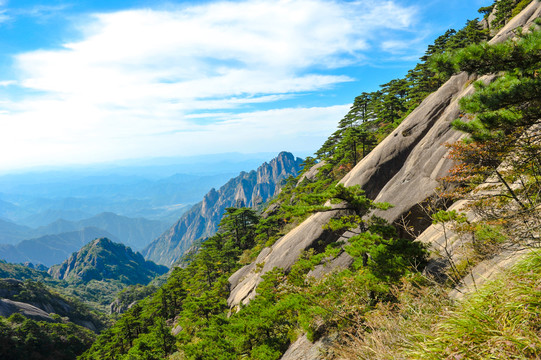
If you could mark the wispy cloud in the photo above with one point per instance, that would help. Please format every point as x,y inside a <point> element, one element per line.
<point>41,11</point>
<point>3,12</point>
<point>7,83</point>
<point>135,75</point>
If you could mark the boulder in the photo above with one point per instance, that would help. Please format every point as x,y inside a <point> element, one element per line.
<point>9,307</point>
<point>304,349</point>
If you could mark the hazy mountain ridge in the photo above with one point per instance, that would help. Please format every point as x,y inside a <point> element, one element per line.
<point>11,233</point>
<point>51,249</point>
<point>155,189</point>
<point>52,244</point>
<point>133,232</point>
<point>248,189</point>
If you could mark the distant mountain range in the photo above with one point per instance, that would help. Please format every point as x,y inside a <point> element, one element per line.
<point>53,243</point>
<point>11,233</point>
<point>51,249</point>
<point>247,189</point>
<point>134,232</point>
<point>156,189</point>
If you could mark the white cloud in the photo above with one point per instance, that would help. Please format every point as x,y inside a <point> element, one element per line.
<point>136,80</point>
<point>7,83</point>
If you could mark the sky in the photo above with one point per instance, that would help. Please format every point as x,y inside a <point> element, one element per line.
<point>91,81</point>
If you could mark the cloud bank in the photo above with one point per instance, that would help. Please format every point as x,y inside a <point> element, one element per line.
<point>189,80</point>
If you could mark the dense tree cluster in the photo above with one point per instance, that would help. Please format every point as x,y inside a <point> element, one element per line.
<point>193,300</point>
<point>22,338</point>
<point>503,150</point>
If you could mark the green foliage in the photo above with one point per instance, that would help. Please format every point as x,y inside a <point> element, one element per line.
<point>521,5</point>
<point>131,294</point>
<point>103,259</point>
<point>41,295</point>
<point>507,9</point>
<point>503,129</point>
<point>22,338</point>
<point>21,272</point>
<point>193,300</point>
<point>195,296</point>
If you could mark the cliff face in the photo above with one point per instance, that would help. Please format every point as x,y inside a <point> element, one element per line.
<point>247,189</point>
<point>402,170</point>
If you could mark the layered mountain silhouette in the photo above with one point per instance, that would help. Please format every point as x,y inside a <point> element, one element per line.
<point>51,249</point>
<point>52,244</point>
<point>133,232</point>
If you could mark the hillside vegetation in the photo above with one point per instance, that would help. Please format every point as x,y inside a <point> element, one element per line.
<point>365,289</point>
<point>189,317</point>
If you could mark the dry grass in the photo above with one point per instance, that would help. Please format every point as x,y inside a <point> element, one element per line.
<point>501,321</point>
<point>388,329</point>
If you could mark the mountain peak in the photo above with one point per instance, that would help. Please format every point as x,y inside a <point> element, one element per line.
<point>104,259</point>
<point>248,189</point>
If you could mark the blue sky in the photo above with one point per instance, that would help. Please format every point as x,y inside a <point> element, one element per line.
<point>92,81</point>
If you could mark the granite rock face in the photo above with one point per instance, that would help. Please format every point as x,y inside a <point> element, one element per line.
<point>9,307</point>
<point>37,302</point>
<point>402,170</point>
<point>248,189</point>
<point>283,254</point>
<point>400,159</point>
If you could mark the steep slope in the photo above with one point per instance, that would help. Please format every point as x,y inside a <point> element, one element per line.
<point>372,173</point>
<point>51,249</point>
<point>103,259</point>
<point>402,170</point>
<point>295,306</point>
<point>247,189</point>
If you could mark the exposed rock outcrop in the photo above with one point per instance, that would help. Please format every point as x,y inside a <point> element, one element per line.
<point>247,189</point>
<point>37,302</point>
<point>402,170</point>
<point>283,254</point>
<point>412,156</point>
<point>9,307</point>
<point>304,349</point>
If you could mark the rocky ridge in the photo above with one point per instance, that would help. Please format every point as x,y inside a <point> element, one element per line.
<point>37,302</point>
<point>402,170</point>
<point>248,189</point>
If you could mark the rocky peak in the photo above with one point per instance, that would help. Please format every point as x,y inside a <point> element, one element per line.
<point>248,189</point>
